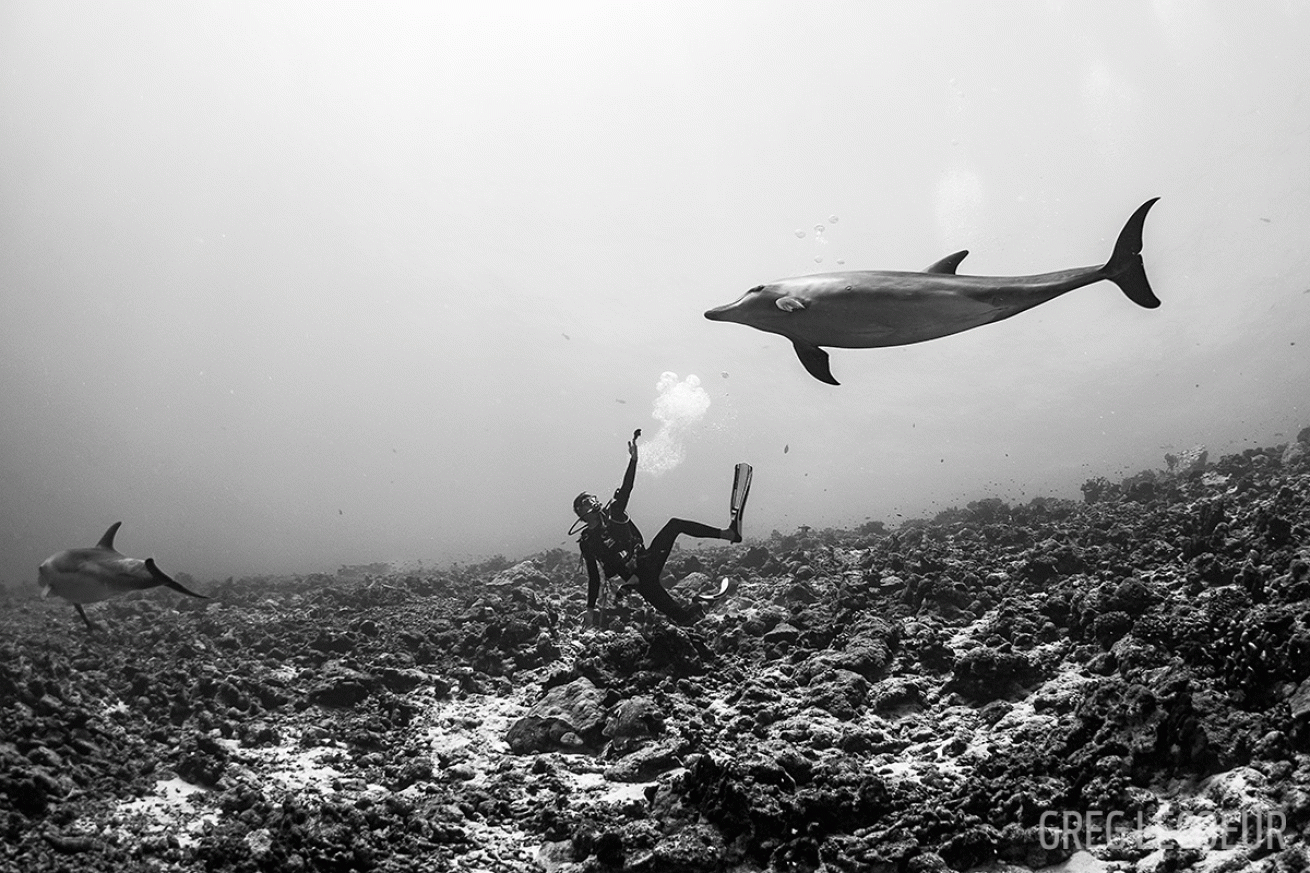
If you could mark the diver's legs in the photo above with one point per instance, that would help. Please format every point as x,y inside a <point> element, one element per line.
<point>658,551</point>
<point>650,566</point>
<point>657,597</point>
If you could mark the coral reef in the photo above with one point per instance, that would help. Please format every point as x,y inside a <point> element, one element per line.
<point>967,690</point>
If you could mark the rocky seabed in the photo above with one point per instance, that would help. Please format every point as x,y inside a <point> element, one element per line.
<point>1114,684</point>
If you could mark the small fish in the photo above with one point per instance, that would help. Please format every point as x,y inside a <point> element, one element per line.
<point>786,448</point>
<point>99,573</point>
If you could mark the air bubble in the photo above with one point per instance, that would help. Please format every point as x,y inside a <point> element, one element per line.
<point>800,234</point>
<point>818,259</point>
<point>818,228</point>
<point>841,261</point>
<point>832,219</point>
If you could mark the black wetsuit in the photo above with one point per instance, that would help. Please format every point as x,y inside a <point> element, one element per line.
<point>617,547</point>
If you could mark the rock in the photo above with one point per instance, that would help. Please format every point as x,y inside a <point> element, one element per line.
<point>633,722</point>
<point>761,621</point>
<point>259,843</point>
<point>840,692</point>
<point>755,558</point>
<point>575,708</point>
<point>801,593</point>
<point>260,733</point>
<point>552,856</point>
<point>340,691</point>
<point>416,771</point>
<point>1300,702</point>
<point>70,844</point>
<point>782,634</point>
<point>644,764</point>
<point>333,643</point>
<point>680,565</point>
<point>692,849</point>
<point>523,575</point>
<point>1187,461</point>
<point>203,760</point>
<point>693,583</point>
<point>407,679</point>
<point>984,673</point>
<point>674,650</point>
<point>900,692</point>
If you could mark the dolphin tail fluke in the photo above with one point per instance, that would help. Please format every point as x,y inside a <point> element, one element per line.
<point>815,360</point>
<point>168,581</point>
<point>1125,267</point>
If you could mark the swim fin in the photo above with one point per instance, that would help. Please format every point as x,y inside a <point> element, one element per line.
<point>724,584</point>
<point>741,489</point>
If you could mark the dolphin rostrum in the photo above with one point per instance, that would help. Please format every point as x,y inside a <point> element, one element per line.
<point>99,573</point>
<point>863,309</point>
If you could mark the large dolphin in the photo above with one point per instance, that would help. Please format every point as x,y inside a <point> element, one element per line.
<point>99,573</point>
<point>864,309</point>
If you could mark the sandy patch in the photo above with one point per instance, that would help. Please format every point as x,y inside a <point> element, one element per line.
<point>171,809</point>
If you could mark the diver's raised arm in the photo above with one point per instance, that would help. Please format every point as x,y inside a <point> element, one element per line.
<point>619,506</point>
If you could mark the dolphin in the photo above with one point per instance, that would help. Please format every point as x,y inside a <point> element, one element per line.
<point>862,309</point>
<point>99,573</point>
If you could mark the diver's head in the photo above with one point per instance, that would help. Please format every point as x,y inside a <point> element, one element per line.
<point>588,508</point>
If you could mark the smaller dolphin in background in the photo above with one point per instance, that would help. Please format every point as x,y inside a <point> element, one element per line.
<point>99,573</point>
<point>865,309</point>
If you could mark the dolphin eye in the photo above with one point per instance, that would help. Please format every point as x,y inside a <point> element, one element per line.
<point>756,288</point>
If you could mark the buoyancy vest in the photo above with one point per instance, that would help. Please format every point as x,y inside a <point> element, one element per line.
<point>617,543</point>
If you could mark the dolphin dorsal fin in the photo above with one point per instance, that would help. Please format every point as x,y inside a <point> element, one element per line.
<point>107,541</point>
<point>948,263</point>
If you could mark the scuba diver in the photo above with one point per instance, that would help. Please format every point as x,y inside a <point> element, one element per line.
<point>611,541</point>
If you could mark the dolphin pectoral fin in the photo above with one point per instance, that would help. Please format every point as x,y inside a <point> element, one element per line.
<point>107,541</point>
<point>947,264</point>
<point>168,581</point>
<point>815,360</point>
<point>789,304</point>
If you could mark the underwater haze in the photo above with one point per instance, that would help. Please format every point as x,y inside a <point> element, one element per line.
<point>288,286</point>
